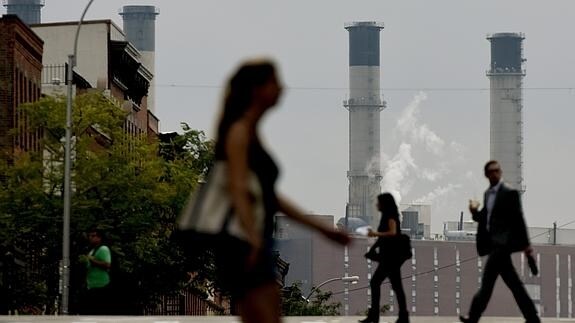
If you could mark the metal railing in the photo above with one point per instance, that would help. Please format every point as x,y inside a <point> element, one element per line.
<point>54,74</point>
<point>186,302</point>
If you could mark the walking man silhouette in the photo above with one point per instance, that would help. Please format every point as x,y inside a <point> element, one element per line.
<point>501,231</point>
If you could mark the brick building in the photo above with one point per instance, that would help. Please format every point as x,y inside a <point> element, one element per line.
<point>20,82</point>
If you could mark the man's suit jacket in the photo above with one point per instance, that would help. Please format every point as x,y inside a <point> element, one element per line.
<point>507,229</point>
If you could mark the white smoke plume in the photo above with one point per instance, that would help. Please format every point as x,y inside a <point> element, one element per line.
<point>425,165</point>
<point>373,167</point>
<point>431,174</point>
<point>396,170</point>
<point>437,192</point>
<point>409,124</point>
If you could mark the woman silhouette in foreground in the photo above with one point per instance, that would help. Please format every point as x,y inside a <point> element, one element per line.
<point>247,268</point>
<point>389,262</point>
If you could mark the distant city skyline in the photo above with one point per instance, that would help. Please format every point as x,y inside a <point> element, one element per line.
<point>434,58</point>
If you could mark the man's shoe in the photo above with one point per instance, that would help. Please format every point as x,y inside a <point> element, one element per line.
<point>402,319</point>
<point>466,319</point>
<point>371,318</point>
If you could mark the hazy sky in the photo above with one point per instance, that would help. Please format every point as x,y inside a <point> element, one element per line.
<point>434,55</point>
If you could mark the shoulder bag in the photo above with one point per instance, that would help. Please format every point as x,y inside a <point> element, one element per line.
<point>396,248</point>
<point>208,213</point>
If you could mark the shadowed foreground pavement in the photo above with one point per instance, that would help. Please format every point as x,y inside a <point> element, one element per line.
<point>233,319</point>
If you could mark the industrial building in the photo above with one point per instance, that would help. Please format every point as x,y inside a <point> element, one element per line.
<point>416,220</point>
<point>140,29</point>
<point>29,11</point>
<point>439,280</point>
<point>506,105</point>
<point>364,105</point>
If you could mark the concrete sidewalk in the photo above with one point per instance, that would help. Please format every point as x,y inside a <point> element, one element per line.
<point>233,319</point>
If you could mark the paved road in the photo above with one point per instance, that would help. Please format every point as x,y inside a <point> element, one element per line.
<point>232,319</point>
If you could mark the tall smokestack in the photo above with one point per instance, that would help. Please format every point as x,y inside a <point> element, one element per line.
<point>140,29</point>
<point>364,106</point>
<point>506,126</point>
<point>28,11</point>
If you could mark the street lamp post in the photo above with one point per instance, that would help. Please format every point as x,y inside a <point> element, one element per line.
<point>345,279</point>
<point>65,279</point>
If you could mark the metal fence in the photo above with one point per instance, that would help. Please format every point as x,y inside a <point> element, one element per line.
<point>186,302</point>
<point>54,74</point>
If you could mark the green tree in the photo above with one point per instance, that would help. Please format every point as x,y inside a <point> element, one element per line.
<point>191,151</point>
<point>192,148</point>
<point>120,182</point>
<point>295,304</point>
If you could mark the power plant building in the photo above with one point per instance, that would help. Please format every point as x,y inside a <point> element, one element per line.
<point>416,220</point>
<point>140,30</point>
<point>506,104</point>
<point>440,279</point>
<point>29,11</point>
<point>364,105</point>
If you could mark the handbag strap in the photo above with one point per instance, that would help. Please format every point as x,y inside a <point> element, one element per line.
<point>227,221</point>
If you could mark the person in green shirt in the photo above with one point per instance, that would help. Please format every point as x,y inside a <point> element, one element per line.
<point>98,262</point>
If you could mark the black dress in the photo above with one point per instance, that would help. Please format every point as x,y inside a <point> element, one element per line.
<point>388,267</point>
<point>382,248</point>
<point>231,257</point>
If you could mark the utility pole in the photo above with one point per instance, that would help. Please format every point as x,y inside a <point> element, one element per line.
<point>555,233</point>
<point>65,266</point>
